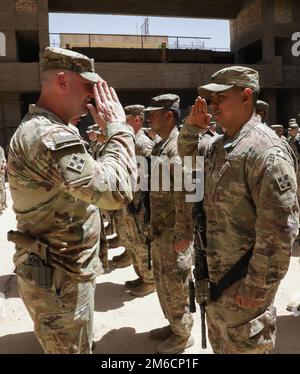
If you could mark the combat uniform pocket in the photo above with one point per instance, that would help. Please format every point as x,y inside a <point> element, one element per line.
<point>64,332</point>
<point>256,335</point>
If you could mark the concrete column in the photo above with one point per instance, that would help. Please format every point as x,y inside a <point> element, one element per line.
<point>268,40</point>
<point>10,116</point>
<point>43,24</point>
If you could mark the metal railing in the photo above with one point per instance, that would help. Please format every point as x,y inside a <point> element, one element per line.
<point>131,41</point>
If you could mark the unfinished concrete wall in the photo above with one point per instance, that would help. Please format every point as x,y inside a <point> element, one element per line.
<point>10,116</point>
<point>247,23</point>
<point>282,12</point>
<point>24,24</point>
<point>112,41</point>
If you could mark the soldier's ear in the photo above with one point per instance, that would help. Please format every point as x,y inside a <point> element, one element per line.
<point>169,115</point>
<point>247,94</point>
<point>62,80</point>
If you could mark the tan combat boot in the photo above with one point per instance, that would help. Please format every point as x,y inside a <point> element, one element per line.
<point>161,333</point>
<point>123,260</point>
<point>113,241</point>
<point>120,256</point>
<point>143,290</point>
<point>174,344</point>
<point>134,283</point>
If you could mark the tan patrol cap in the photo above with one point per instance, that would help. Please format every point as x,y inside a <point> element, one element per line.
<point>261,105</point>
<point>134,110</point>
<point>166,101</point>
<point>293,123</point>
<point>233,76</point>
<point>60,58</point>
<point>276,127</point>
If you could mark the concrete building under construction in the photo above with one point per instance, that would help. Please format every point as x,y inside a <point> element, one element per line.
<point>261,36</point>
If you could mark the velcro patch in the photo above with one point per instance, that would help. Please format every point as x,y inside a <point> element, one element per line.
<point>284,182</point>
<point>76,163</point>
<point>64,137</point>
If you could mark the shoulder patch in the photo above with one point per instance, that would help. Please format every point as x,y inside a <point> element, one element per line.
<point>284,182</point>
<point>76,163</point>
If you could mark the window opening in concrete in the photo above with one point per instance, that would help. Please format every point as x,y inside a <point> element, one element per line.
<point>27,46</point>
<point>2,44</point>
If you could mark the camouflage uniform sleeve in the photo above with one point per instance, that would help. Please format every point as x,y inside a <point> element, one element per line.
<point>184,225</point>
<point>193,141</point>
<point>273,186</point>
<point>183,216</point>
<point>2,159</point>
<point>144,146</point>
<point>107,183</point>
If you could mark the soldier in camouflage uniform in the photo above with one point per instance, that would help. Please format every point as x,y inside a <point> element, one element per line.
<point>96,149</point>
<point>278,129</point>
<point>294,142</point>
<point>262,109</point>
<point>250,203</point>
<point>294,136</point>
<point>97,139</point>
<point>3,204</point>
<point>171,229</point>
<point>56,189</point>
<point>134,222</point>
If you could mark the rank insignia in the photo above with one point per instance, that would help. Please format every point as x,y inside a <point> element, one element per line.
<point>76,163</point>
<point>284,182</point>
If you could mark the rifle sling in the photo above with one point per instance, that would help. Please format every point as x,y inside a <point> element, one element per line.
<point>236,273</point>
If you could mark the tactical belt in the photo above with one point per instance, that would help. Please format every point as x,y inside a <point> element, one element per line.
<point>237,272</point>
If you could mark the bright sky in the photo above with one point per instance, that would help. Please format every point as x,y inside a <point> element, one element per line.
<point>217,30</point>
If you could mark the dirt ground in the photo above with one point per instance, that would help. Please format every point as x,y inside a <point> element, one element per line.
<point>122,322</point>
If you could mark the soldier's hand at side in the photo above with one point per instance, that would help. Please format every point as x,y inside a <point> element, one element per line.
<point>247,302</point>
<point>199,116</point>
<point>181,245</point>
<point>108,107</point>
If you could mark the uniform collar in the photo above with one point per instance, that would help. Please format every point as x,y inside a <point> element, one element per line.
<point>172,134</point>
<point>34,109</point>
<point>230,143</point>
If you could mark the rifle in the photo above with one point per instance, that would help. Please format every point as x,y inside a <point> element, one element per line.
<point>133,211</point>
<point>111,218</point>
<point>202,290</point>
<point>147,215</point>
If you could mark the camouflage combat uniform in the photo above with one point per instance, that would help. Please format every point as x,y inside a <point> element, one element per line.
<point>131,221</point>
<point>171,219</point>
<point>57,189</point>
<point>96,150</point>
<point>294,142</point>
<point>2,181</point>
<point>249,201</point>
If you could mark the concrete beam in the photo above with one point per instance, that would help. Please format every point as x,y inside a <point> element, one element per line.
<point>24,77</point>
<point>179,76</point>
<point>222,9</point>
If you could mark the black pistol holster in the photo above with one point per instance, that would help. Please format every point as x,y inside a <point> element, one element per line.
<point>41,273</point>
<point>37,265</point>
